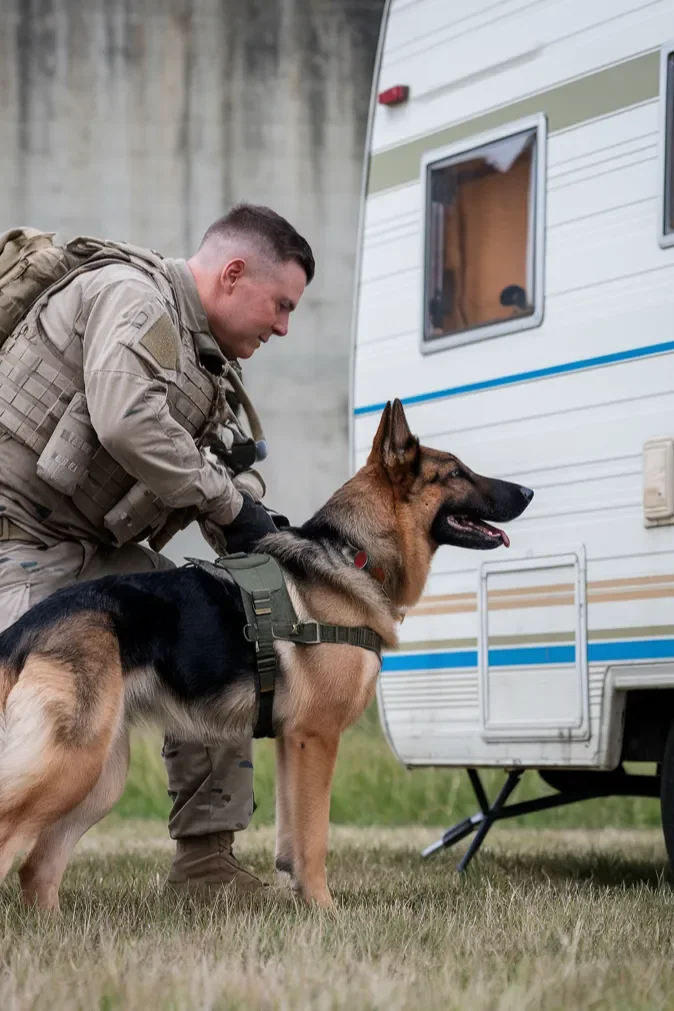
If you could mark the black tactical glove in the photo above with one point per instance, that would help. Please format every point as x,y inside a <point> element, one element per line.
<point>280,521</point>
<point>250,526</point>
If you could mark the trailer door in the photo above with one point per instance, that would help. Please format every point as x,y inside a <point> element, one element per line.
<point>533,649</point>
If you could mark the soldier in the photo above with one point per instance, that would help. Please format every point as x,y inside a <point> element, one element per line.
<point>118,413</point>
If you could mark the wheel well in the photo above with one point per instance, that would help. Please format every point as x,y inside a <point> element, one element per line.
<point>648,717</point>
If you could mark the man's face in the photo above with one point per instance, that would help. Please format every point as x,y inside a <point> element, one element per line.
<point>252,302</point>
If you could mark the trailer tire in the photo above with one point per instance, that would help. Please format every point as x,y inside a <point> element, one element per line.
<point>667,795</point>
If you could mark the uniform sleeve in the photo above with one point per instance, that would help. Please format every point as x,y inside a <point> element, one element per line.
<point>132,352</point>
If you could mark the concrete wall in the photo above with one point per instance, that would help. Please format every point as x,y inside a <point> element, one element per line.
<point>145,119</point>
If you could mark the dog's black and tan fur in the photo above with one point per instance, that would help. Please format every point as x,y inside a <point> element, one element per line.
<point>77,669</point>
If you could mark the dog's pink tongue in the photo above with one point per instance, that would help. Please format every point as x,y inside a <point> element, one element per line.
<point>505,540</point>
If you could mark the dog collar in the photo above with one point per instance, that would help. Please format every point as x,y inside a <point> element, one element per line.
<point>362,561</point>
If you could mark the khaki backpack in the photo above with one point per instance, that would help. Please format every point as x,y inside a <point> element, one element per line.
<point>31,265</point>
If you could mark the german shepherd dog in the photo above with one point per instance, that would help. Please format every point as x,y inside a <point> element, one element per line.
<point>78,668</point>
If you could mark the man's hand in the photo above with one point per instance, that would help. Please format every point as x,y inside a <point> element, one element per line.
<point>249,526</point>
<point>280,521</point>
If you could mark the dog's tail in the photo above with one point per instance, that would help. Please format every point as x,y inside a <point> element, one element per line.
<point>61,710</point>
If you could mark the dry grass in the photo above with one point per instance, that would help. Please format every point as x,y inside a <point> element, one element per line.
<point>545,919</point>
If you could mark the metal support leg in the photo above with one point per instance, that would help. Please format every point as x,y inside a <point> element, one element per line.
<point>458,832</point>
<point>454,835</point>
<point>476,782</point>
<point>463,828</point>
<point>598,785</point>
<point>490,817</point>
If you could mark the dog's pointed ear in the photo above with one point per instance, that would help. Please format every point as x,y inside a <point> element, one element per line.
<point>400,436</point>
<point>394,445</point>
<point>377,451</point>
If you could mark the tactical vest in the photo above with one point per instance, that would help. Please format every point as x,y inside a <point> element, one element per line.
<point>43,406</point>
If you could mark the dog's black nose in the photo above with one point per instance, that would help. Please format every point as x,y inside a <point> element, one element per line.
<point>527,492</point>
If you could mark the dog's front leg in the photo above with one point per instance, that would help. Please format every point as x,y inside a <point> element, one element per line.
<point>283,857</point>
<point>311,761</point>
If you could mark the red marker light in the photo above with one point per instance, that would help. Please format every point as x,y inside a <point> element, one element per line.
<point>396,95</point>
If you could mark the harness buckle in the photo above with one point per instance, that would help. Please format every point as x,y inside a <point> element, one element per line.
<point>307,629</point>
<point>250,633</point>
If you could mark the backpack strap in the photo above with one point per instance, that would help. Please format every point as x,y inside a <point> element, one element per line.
<point>33,268</point>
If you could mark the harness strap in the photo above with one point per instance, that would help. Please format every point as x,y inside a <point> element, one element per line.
<point>270,615</point>
<point>265,661</point>
<point>311,633</point>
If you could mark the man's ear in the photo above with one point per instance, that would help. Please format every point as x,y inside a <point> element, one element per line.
<point>231,272</point>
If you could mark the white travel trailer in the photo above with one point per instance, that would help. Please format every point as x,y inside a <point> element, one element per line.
<point>516,291</point>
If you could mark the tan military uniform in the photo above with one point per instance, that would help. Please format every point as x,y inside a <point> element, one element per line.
<point>106,394</point>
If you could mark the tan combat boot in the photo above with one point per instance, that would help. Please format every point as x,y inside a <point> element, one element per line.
<point>207,861</point>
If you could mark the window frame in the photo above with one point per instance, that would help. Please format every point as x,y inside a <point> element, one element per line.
<point>452,153</point>
<point>665,153</point>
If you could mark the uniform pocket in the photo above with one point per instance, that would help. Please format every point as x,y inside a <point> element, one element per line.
<point>65,459</point>
<point>29,573</point>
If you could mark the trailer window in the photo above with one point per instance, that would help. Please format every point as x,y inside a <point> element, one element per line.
<point>667,145</point>
<point>483,226</point>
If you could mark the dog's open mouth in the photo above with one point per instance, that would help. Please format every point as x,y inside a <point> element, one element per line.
<point>464,532</point>
<point>480,527</point>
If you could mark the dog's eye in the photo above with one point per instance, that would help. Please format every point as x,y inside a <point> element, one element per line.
<point>455,473</point>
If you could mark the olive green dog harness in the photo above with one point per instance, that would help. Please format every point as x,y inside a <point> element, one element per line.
<point>270,615</point>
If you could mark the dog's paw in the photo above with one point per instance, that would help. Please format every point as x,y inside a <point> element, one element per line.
<point>286,873</point>
<point>284,865</point>
<point>320,897</point>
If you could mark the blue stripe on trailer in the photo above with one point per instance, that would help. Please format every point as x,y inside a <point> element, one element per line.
<point>430,661</point>
<point>521,656</point>
<point>523,377</point>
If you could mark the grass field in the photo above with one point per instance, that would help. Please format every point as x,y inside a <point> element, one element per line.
<point>545,919</point>
<point>549,916</point>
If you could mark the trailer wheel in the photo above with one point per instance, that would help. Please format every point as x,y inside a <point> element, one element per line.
<point>667,795</point>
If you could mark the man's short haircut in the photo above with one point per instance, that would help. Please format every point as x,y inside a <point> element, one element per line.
<point>275,236</point>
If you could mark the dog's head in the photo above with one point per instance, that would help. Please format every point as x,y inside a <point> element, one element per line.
<point>437,494</point>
